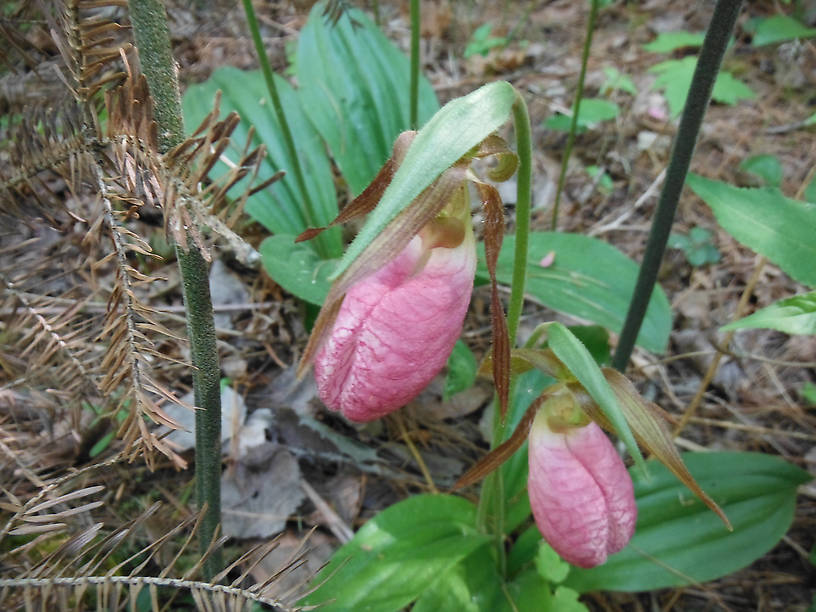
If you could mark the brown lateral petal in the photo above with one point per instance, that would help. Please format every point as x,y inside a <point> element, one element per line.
<point>504,451</point>
<point>650,430</point>
<point>371,195</point>
<point>493,236</point>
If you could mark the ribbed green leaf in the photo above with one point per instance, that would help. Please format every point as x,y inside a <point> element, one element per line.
<point>679,541</point>
<point>767,222</point>
<point>589,279</point>
<point>354,83</point>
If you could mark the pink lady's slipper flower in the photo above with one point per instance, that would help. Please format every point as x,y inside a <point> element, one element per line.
<point>580,492</point>
<point>397,326</point>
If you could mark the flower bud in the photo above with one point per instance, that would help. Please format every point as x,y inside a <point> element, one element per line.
<point>580,491</point>
<point>397,327</point>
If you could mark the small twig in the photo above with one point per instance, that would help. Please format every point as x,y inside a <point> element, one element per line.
<point>757,429</point>
<point>333,521</point>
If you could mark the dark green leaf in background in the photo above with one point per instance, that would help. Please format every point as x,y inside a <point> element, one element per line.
<point>767,222</point>
<point>588,279</point>
<point>679,541</point>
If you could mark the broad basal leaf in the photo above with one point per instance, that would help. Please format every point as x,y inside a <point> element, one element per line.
<point>679,541</point>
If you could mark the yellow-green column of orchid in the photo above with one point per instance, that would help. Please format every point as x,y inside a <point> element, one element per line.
<point>490,514</point>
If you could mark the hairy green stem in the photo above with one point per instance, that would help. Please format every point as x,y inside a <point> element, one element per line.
<point>149,22</point>
<point>312,218</point>
<point>579,94</point>
<point>705,74</point>
<point>414,103</point>
<point>491,510</point>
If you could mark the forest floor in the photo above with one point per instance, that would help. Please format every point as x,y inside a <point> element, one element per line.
<point>755,400</point>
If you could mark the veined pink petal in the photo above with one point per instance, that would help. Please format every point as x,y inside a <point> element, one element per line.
<point>580,492</point>
<point>395,330</point>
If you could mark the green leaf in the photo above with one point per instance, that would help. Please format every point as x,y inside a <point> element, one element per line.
<point>472,585</point>
<point>549,565</point>
<point>297,268</point>
<point>605,183</point>
<point>398,555</point>
<point>279,207</point>
<point>679,541</point>
<point>616,80</point>
<point>778,28</point>
<point>808,392</point>
<point>765,221</point>
<point>674,77</point>
<point>452,132</point>
<point>580,363</point>
<point>481,42</point>
<point>101,444</point>
<point>793,315</point>
<point>766,167</point>
<point>666,42</point>
<point>462,368</point>
<point>592,112</point>
<point>588,279</point>
<point>353,84</point>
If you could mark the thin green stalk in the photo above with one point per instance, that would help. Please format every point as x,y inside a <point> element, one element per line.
<point>312,219</point>
<point>705,74</point>
<point>491,509</point>
<point>562,177</point>
<point>414,103</point>
<point>149,22</point>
